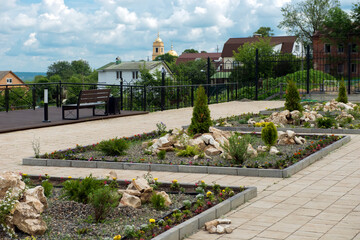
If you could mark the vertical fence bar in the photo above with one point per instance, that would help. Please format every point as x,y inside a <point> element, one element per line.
<point>217,93</point>
<point>60,93</point>
<point>192,96</point>
<point>144,96</point>
<point>208,79</point>
<point>33,97</point>
<point>308,69</point>
<point>7,99</point>
<point>57,95</point>
<point>349,68</point>
<point>121,95</point>
<point>236,90</point>
<point>227,92</point>
<point>131,97</point>
<point>256,73</point>
<point>177,97</point>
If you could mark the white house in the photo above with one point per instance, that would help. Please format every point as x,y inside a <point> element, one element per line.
<point>129,72</point>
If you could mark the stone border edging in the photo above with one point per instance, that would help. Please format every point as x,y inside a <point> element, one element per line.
<point>192,225</point>
<point>297,130</point>
<point>269,112</point>
<point>254,172</point>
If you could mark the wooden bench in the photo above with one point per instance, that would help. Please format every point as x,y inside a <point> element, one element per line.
<point>89,99</point>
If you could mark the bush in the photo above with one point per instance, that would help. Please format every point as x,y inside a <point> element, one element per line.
<point>103,200</point>
<point>325,122</point>
<point>161,154</point>
<point>80,191</point>
<point>342,97</point>
<point>237,147</point>
<point>292,97</point>
<point>189,151</point>
<point>158,201</point>
<point>269,134</point>
<point>113,147</point>
<point>47,188</point>
<point>200,121</point>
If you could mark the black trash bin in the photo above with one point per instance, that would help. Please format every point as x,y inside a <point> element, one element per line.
<point>114,105</point>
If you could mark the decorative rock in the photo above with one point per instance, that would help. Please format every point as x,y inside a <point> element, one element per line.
<point>212,223</point>
<point>262,149</point>
<point>251,121</point>
<point>273,151</point>
<point>146,196</point>
<point>142,185</point>
<point>224,221</point>
<point>167,149</point>
<point>144,145</point>
<point>228,229</point>
<point>344,115</point>
<point>11,180</point>
<point>220,229</point>
<point>290,134</point>
<point>164,142</point>
<point>212,229</point>
<point>211,151</point>
<point>251,151</point>
<point>167,198</point>
<point>207,138</point>
<point>130,192</point>
<point>112,175</point>
<point>130,200</point>
<point>303,140</point>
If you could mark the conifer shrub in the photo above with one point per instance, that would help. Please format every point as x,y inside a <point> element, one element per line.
<point>103,200</point>
<point>201,120</point>
<point>158,201</point>
<point>292,97</point>
<point>269,134</point>
<point>342,97</point>
<point>113,147</point>
<point>236,148</point>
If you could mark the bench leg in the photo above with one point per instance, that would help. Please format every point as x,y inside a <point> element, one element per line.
<point>77,114</point>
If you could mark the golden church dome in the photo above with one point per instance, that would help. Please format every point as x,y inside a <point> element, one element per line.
<point>172,52</point>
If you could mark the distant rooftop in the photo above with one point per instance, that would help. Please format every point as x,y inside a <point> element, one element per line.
<point>129,65</point>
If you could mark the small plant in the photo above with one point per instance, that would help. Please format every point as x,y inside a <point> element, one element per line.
<point>325,122</point>
<point>292,97</point>
<point>307,125</point>
<point>103,200</point>
<point>158,201</point>
<point>161,154</point>
<point>36,147</point>
<point>175,185</point>
<point>269,134</point>
<point>189,151</point>
<point>201,120</point>
<point>187,204</point>
<point>342,97</point>
<point>161,128</point>
<point>48,187</point>
<point>237,147</point>
<point>113,147</point>
<point>129,231</point>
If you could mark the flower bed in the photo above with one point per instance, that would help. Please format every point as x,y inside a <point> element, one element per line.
<point>67,219</point>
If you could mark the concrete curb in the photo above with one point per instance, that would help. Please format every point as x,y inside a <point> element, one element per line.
<point>192,225</point>
<point>253,172</point>
<point>297,130</point>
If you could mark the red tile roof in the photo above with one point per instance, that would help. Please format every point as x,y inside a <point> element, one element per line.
<point>234,43</point>
<point>185,57</point>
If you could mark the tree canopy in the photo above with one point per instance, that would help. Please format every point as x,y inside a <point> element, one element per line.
<point>66,69</point>
<point>265,31</point>
<point>191,50</point>
<point>168,58</point>
<point>303,19</point>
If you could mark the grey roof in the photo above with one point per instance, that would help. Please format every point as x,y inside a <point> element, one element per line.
<point>129,65</point>
<point>3,73</point>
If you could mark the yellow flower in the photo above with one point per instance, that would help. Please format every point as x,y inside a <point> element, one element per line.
<point>174,181</point>
<point>223,190</point>
<point>24,174</point>
<point>133,179</point>
<point>208,193</point>
<point>155,179</point>
<point>69,177</point>
<point>202,181</point>
<point>114,178</point>
<point>117,237</point>
<point>151,220</point>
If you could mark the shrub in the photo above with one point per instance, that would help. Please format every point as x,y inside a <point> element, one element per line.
<point>189,151</point>
<point>47,188</point>
<point>113,147</point>
<point>158,201</point>
<point>161,154</point>
<point>269,134</point>
<point>200,121</point>
<point>325,122</point>
<point>80,191</point>
<point>292,97</point>
<point>237,147</point>
<point>103,200</point>
<point>342,97</point>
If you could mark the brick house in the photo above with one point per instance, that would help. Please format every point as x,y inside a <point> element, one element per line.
<point>333,57</point>
<point>9,78</point>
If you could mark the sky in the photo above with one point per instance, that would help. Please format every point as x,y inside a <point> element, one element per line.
<point>36,33</point>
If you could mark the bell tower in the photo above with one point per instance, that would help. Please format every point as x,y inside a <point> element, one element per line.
<point>158,47</point>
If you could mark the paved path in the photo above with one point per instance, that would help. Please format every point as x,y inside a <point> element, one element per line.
<point>320,202</point>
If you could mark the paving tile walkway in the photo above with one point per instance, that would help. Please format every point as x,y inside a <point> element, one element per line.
<point>320,202</point>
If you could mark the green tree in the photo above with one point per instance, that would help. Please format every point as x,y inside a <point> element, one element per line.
<point>265,31</point>
<point>81,67</point>
<point>303,19</point>
<point>61,68</point>
<point>342,96</point>
<point>245,56</point>
<point>292,97</point>
<point>337,26</point>
<point>355,15</point>
<point>168,58</point>
<point>201,120</point>
<point>191,50</point>
<point>192,72</point>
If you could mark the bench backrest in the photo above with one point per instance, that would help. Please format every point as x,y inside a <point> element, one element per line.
<point>93,96</point>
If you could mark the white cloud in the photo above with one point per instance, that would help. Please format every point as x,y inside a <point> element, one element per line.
<point>31,40</point>
<point>125,15</point>
<point>200,10</point>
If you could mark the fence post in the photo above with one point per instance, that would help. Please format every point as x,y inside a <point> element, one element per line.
<point>131,97</point>
<point>33,97</point>
<point>7,98</point>
<point>60,93</point>
<point>57,95</point>
<point>192,96</point>
<point>236,91</point>
<point>121,94</point>
<point>208,79</point>
<point>144,100</point>
<point>163,89</point>
<point>177,97</point>
<point>217,93</point>
<point>256,73</point>
<point>227,92</point>
<point>349,68</point>
<point>308,69</point>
